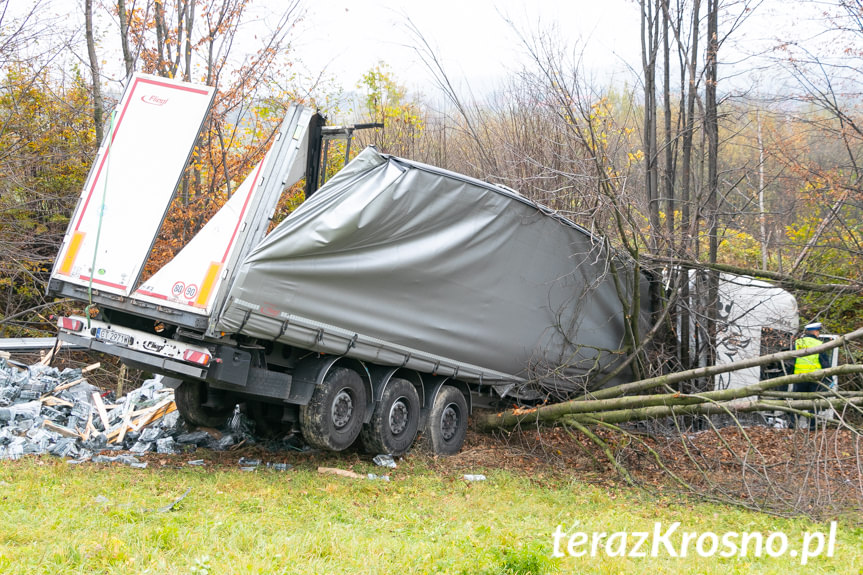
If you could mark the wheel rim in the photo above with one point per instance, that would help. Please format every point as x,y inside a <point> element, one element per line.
<point>399,416</point>
<point>449,422</point>
<point>343,408</point>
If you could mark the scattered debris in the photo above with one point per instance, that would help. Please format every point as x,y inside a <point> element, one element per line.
<point>27,410</point>
<point>171,506</point>
<point>227,441</point>
<point>166,445</point>
<point>195,437</point>
<point>45,410</point>
<point>351,474</point>
<point>129,460</point>
<point>476,477</point>
<point>384,461</point>
<point>248,464</point>
<point>102,500</point>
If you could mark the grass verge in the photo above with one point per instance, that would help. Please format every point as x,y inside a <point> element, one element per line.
<point>57,518</point>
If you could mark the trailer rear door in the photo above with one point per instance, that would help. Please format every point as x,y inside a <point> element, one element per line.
<point>131,183</point>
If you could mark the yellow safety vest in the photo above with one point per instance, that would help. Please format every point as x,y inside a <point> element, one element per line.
<point>807,363</point>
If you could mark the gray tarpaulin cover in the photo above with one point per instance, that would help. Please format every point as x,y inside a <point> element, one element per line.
<point>399,263</point>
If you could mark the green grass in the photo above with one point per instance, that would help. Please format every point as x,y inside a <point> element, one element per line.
<point>52,520</point>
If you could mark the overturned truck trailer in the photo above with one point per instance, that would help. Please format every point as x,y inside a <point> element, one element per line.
<point>396,298</point>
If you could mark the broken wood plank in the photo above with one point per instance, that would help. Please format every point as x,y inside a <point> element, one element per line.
<point>75,382</point>
<point>100,409</point>
<point>91,430</point>
<point>152,408</point>
<point>161,413</point>
<point>49,357</point>
<point>52,401</point>
<point>117,434</point>
<point>121,432</point>
<point>114,431</point>
<point>85,435</point>
<point>64,431</point>
<point>67,385</point>
<point>147,419</point>
<point>342,472</point>
<point>121,379</point>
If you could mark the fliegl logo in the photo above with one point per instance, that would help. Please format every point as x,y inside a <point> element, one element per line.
<point>154,100</point>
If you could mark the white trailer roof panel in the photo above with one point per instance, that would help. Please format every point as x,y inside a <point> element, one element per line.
<point>191,279</point>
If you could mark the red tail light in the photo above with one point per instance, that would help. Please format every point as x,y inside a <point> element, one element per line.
<point>198,357</point>
<point>70,324</point>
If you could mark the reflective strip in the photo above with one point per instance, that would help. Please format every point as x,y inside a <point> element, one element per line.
<point>208,283</point>
<point>72,253</point>
<point>807,363</point>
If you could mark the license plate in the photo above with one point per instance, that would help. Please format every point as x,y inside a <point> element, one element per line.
<point>112,336</point>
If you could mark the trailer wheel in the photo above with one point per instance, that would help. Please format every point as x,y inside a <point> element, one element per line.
<point>395,420</point>
<point>334,415</point>
<point>190,398</point>
<point>447,422</point>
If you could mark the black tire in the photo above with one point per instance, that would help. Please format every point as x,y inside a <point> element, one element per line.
<point>446,427</point>
<point>334,416</point>
<point>190,398</point>
<point>395,420</point>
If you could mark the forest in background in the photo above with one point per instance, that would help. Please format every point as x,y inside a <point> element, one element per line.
<point>677,170</point>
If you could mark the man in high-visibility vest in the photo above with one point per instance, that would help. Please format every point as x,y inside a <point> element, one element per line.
<point>810,363</point>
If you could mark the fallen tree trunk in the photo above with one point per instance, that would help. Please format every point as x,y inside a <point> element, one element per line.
<point>810,395</point>
<point>638,404</point>
<point>616,398</point>
<point>743,405</point>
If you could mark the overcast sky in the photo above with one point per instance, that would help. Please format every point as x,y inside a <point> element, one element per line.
<point>471,37</point>
<point>474,41</point>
